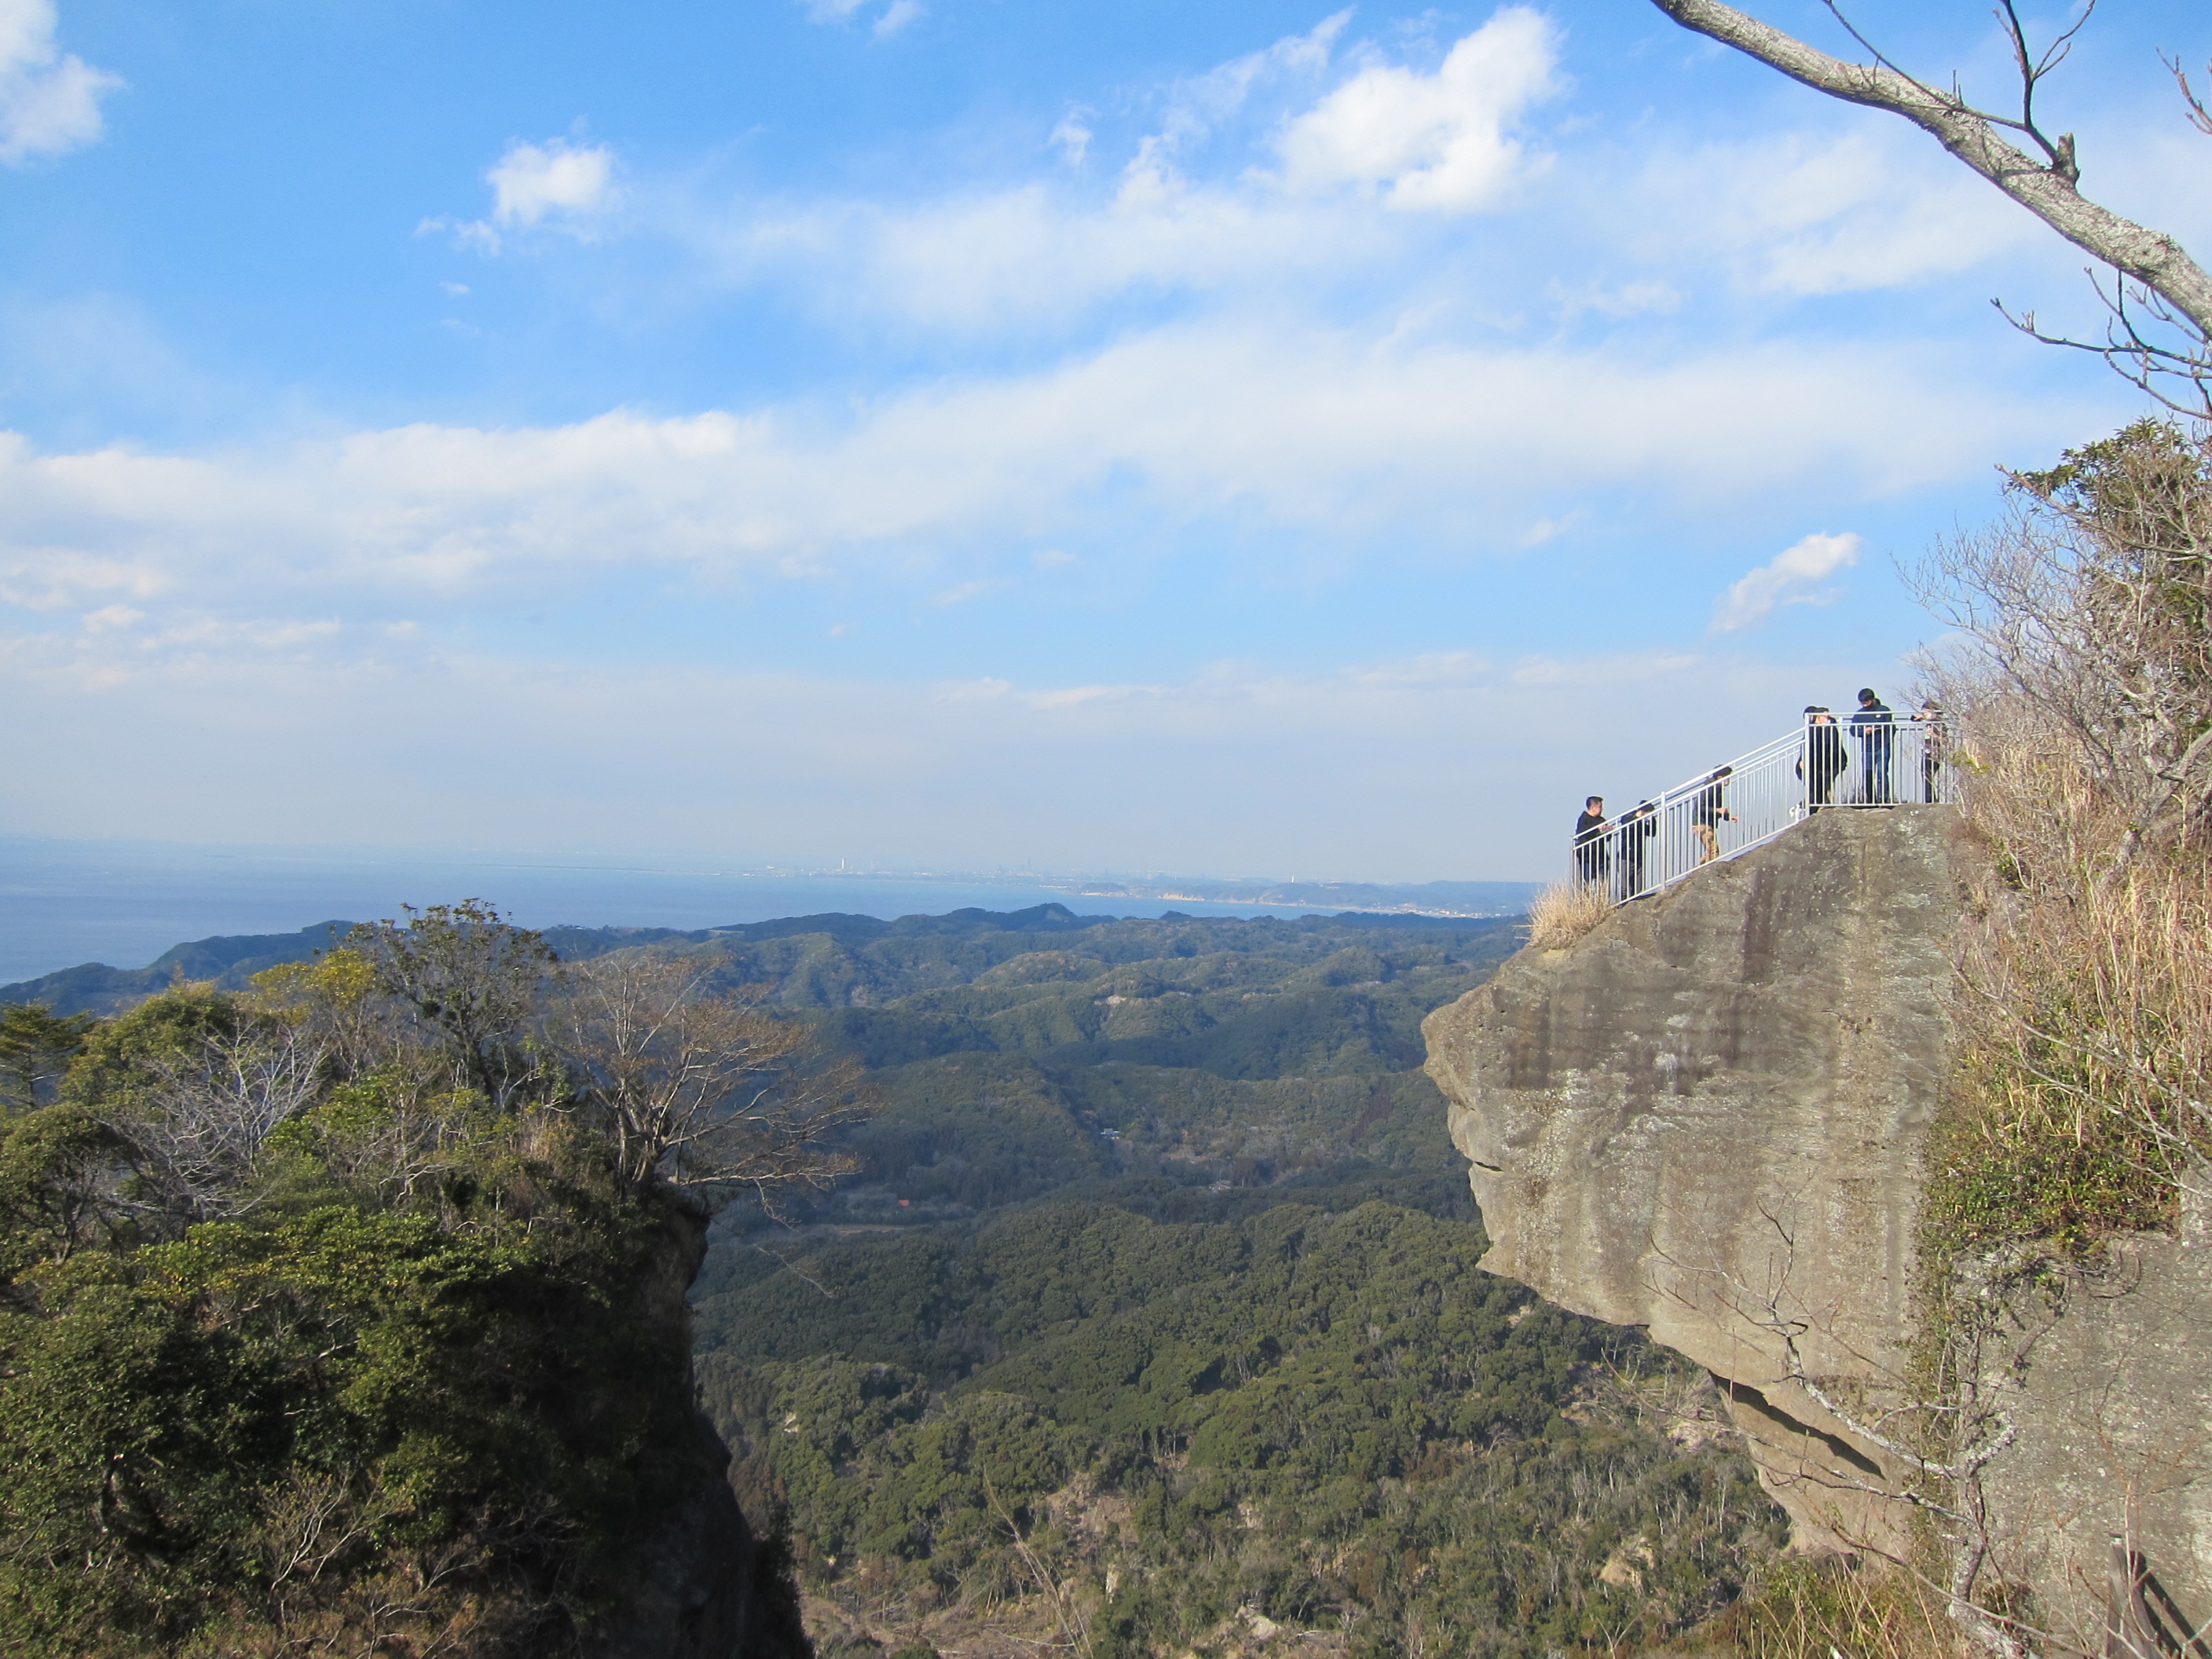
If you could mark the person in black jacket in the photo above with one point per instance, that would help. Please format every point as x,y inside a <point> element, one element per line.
<point>1871,726</point>
<point>1707,808</point>
<point>1823,759</point>
<point>1593,857</point>
<point>1636,828</point>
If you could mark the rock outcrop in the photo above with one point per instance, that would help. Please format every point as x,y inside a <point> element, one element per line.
<point>705,1585</point>
<point>1707,1117</point>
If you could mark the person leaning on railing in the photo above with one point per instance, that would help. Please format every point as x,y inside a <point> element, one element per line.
<point>1708,809</point>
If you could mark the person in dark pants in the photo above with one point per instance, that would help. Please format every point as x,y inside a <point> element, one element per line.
<point>1707,808</point>
<point>1593,857</point>
<point>1930,719</point>
<point>1823,760</point>
<point>1636,828</point>
<point>1872,726</point>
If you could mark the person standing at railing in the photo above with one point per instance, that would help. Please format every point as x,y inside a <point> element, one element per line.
<point>1930,719</point>
<point>1593,859</point>
<point>1874,728</point>
<point>1638,826</point>
<point>1823,760</point>
<point>1708,809</point>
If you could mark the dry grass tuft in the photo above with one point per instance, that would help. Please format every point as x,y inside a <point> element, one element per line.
<point>1817,1609</point>
<point>1565,911</point>
<point>2084,1013</point>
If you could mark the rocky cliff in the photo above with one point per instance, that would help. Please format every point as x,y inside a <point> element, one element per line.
<point>705,1586</point>
<point>1708,1117</point>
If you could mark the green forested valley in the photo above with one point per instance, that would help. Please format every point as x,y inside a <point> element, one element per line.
<point>1150,1323</point>
<point>1104,1287</point>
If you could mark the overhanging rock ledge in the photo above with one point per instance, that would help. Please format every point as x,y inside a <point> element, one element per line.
<point>1706,1118</point>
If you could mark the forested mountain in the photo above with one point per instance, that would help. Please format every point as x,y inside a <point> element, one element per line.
<point>1143,1318</point>
<point>1151,1323</point>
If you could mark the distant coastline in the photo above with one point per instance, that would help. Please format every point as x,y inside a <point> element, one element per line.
<point>65,903</point>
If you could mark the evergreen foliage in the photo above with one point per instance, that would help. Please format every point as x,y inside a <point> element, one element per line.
<point>309,1343</point>
<point>1153,1320</point>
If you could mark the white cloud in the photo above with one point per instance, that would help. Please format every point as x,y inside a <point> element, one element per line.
<point>1632,299</point>
<point>962,592</point>
<point>1812,214</point>
<point>1781,580</point>
<point>893,18</point>
<point>1023,258</point>
<point>1197,206</point>
<point>1071,139</point>
<point>49,101</point>
<point>1313,431</point>
<point>1196,105</point>
<point>897,15</point>
<point>532,180</point>
<point>1432,141</point>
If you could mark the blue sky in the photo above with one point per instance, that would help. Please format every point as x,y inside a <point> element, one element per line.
<point>1240,438</point>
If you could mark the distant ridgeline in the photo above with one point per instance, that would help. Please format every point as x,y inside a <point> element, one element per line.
<point>230,961</point>
<point>1458,899</point>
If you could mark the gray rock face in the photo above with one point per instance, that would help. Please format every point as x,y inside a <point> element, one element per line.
<point>2114,1410</point>
<point>1706,1118</point>
<point>704,1585</point>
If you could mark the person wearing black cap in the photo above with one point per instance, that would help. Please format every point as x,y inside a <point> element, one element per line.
<point>1871,726</point>
<point>1592,858</point>
<point>1823,760</point>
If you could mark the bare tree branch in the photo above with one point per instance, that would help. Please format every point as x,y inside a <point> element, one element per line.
<point>701,1090</point>
<point>2046,188</point>
<point>197,1137</point>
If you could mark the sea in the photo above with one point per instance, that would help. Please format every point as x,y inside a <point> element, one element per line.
<point>123,903</point>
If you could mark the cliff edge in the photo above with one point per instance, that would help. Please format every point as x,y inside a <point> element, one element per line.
<point>1706,1118</point>
<point>1709,1117</point>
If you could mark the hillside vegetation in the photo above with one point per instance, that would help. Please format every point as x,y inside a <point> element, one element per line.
<point>333,1318</point>
<point>1151,1323</point>
<point>1144,1318</point>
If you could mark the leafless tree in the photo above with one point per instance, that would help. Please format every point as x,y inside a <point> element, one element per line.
<point>2154,284</point>
<point>2083,619</point>
<point>196,1134</point>
<point>2079,687</point>
<point>701,1090</point>
<point>1940,1424</point>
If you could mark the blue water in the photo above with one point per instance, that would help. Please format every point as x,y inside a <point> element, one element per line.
<point>62,902</point>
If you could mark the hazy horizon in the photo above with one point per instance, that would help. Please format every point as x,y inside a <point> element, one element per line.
<point>123,903</point>
<point>1252,436</point>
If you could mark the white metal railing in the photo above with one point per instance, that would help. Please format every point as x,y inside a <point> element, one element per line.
<point>1894,762</point>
